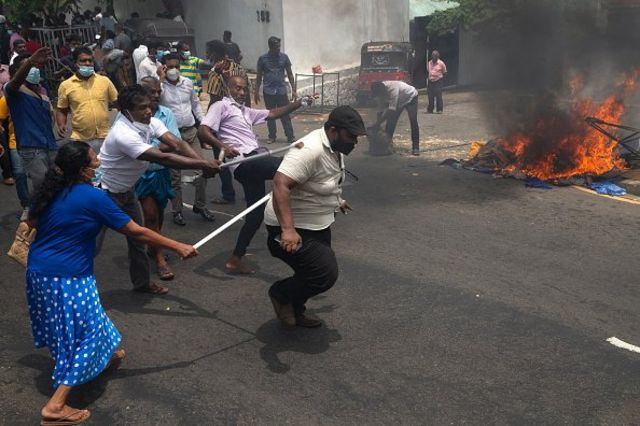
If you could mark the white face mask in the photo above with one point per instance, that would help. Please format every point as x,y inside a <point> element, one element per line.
<point>142,127</point>
<point>173,74</point>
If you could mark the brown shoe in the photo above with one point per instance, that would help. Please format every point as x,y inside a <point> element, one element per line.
<point>284,312</point>
<point>304,321</point>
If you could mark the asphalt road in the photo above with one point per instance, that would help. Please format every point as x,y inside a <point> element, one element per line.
<point>462,299</point>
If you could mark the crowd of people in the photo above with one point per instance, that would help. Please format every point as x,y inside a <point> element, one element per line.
<point>108,153</point>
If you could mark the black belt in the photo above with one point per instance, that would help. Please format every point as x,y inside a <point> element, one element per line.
<point>182,129</point>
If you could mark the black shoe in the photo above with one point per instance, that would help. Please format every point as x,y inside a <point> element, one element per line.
<point>178,219</point>
<point>271,140</point>
<point>205,213</point>
<point>415,152</point>
<point>291,140</point>
<point>222,201</point>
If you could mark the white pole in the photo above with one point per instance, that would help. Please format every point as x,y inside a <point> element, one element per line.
<point>262,154</point>
<point>232,221</point>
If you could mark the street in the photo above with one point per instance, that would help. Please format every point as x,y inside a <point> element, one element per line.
<point>462,299</point>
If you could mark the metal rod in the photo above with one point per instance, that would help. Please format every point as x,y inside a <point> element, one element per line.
<point>235,219</point>
<point>261,155</point>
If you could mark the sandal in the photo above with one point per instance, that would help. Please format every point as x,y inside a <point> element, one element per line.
<point>63,421</point>
<point>165,274</point>
<point>152,288</point>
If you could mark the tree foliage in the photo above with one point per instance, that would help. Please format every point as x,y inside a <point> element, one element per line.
<point>472,14</point>
<point>21,10</point>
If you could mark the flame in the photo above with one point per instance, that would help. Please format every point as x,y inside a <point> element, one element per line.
<point>560,144</point>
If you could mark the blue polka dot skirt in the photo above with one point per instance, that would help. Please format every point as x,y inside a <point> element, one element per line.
<point>67,317</point>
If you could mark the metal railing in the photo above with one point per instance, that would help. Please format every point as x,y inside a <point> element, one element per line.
<point>326,85</point>
<point>55,38</point>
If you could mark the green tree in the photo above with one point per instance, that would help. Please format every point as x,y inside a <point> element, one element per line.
<point>18,10</point>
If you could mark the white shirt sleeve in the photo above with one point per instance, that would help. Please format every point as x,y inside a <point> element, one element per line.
<point>157,128</point>
<point>196,106</point>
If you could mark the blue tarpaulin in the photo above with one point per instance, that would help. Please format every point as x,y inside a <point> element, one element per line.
<point>607,188</point>
<point>537,183</point>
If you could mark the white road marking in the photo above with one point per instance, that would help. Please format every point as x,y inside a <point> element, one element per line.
<point>622,344</point>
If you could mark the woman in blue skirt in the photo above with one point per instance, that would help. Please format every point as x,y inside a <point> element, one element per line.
<point>64,306</point>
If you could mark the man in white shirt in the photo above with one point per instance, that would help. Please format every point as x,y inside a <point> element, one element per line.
<point>179,96</point>
<point>306,195</point>
<point>148,66</point>
<point>138,55</point>
<point>394,97</point>
<point>125,156</point>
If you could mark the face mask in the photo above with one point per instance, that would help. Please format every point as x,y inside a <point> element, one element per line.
<point>34,76</point>
<point>72,49</point>
<point>140,126</point>
<point>9,32</point>
<point>342,147</point>
<point>186,54</point>
<point>160,54</point>
<point>173,74</point>
<point>97,175</point>
<point>85,71</point>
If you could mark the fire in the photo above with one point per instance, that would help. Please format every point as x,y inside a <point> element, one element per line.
<point>560,144</point>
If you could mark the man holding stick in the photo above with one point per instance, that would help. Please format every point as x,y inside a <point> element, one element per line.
<point>125,156</point>
<point>228,126</point>
<point>306,195</point>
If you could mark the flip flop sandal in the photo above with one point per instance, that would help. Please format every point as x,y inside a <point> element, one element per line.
<point>64,421</point>
<point>165,274</point>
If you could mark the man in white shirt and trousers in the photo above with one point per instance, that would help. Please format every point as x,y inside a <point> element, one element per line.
<point>179,96</point>
<point>395,97</point>
<point>125,156</point>
<point>306,196</point>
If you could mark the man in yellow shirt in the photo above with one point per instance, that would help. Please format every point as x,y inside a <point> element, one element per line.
<point>19,174</point>
<point>87,96</point>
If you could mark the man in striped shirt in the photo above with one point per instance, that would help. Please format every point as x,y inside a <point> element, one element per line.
<point>190,66</point>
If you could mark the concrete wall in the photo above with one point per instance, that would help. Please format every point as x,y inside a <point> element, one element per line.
<point>209,18</point>
<point>331,32</point>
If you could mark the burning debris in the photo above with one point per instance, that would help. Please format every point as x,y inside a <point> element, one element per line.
<point>561,144</point>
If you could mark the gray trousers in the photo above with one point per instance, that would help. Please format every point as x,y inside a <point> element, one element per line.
<point>36,163</point>
<point>138,261</point>
<point>189,135</point>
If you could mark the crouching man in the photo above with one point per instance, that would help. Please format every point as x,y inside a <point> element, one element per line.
<point>306,195</point>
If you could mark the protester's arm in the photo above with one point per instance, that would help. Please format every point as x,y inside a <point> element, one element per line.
<point>256,90</point>
<point>287,109</point>
<point>196,106</point>
<point>61,121</point>
<point>292,80</point>
<point>282,186</point>
<point>171,143</point>
<point>38,59</point>
<point>176,161</point>
<point>205,135</point>
<point>147,236</point>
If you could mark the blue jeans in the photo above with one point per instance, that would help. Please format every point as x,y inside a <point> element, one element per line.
<point>20,176</point>
<point>37,162</point>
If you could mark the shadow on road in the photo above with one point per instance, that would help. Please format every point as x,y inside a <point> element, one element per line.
<point>302,340</point>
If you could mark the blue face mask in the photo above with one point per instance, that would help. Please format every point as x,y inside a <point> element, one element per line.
<point>160,54</point>
<point>186,54</point>
<point>34,76</point>
<point>85,71</point>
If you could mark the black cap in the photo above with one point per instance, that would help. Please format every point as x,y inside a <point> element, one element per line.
<point>273,40</point>
<point>345,117</point>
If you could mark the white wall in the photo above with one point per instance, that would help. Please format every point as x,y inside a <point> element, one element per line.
<point>209,18</point>
<point>331,32</point>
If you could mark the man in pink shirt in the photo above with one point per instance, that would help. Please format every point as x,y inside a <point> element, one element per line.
<point>437,70</point>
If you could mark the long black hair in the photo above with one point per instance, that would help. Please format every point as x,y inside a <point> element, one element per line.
<point>70,161</point>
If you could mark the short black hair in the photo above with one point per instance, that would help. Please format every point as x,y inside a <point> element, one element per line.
<point>216,48</point>
<point>378,89</point>
<point>227,33</point>
<point>130,96</point>
<point>273,40</point>
<point>17,62</point>
<point>182,44</point>
<point>18,41</point>
<point>80,51</point>
<point>170,56</point>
